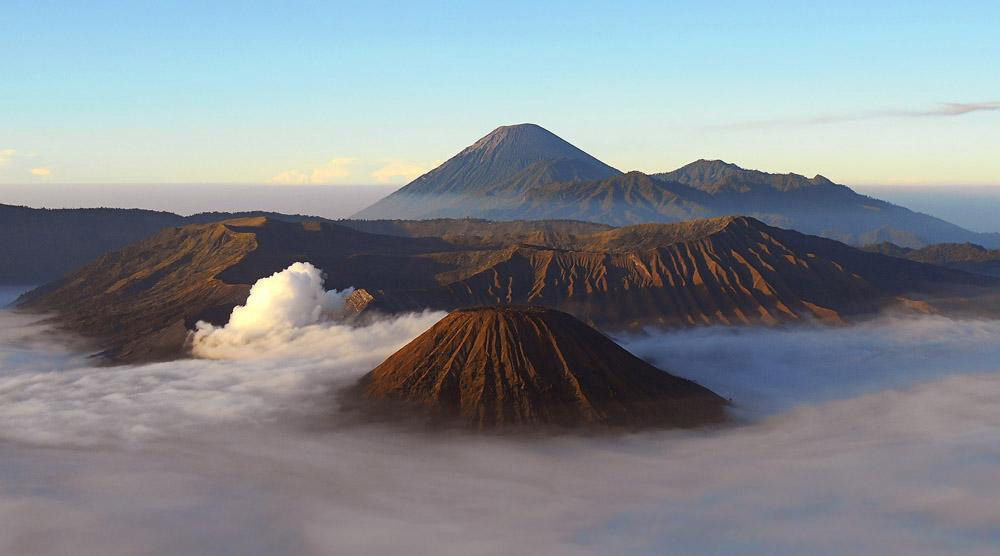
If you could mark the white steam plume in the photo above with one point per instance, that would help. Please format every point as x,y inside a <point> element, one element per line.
<point>281,309</point>
<point>278,358</point>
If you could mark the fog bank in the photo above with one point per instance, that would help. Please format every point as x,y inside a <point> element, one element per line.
<point>877,439</point>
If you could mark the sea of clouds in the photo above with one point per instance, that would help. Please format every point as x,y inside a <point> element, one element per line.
<point>879,438</point>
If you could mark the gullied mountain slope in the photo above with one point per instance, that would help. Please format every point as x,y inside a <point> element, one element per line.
<point>962,256</point>
<point>138,301</point>
<point>503,367</point>
<point>496,160</point>
<point>731,270</point>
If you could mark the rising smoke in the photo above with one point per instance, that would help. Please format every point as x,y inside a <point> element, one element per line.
<point>881,439</point>
<point>279,309</point>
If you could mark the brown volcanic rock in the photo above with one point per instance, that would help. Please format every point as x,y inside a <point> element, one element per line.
<point>41,245</point>
<point>732,270</point>
<point>502,367</point>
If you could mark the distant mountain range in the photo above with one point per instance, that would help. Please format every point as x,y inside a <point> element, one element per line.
<point>139,302</point>
<point>520,172</point>
<point>962,256</point>
<point>526,172</point>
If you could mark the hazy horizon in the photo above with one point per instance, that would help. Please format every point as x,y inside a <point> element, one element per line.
<point>976,208</point>
<point>333,201</point>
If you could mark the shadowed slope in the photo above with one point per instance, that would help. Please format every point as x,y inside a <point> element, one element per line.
<point>961,256</point>
<point>715,188</point>
<point>621,200</point>
<point>716,176</point>
<point>139,301</point>
<point>41,245</point>
<point>507,367</point>
<point>732,270</point>
<point>502,154</point>
<point>38,245</point>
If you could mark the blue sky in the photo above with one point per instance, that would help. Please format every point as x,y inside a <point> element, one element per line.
<point>368,92</point>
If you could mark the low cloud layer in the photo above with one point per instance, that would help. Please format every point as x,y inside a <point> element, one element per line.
<point>876,439</point>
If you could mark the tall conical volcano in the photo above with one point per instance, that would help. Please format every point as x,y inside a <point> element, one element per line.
<point>503,367</point>
<point>499,156</point>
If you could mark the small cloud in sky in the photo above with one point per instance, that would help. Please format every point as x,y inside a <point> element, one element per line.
<point>43,172</point>
<point>948,109</point>
<point>959,108</point>
<point>6,155</point>
<point>405,170</point>
<point>335,170</point>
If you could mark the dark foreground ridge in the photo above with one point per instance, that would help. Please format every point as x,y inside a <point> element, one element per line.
<point>514,367</point>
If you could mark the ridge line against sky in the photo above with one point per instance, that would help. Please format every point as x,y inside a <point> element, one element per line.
<point>340,93</point>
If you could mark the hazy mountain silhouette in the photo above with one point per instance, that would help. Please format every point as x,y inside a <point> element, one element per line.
<point>525,172</point>
<point>501,155</point>
<point>520,367</point>
<point>715,177</point>
<point>962,256</point>
<point>514,173</point>
<point>41,245</point>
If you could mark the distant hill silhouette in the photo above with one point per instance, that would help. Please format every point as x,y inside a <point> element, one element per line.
<point>40,245</point>
<point>962,256</point>
<point>526,172</point>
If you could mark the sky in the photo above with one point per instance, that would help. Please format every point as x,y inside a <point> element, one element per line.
<point>378,92</point>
